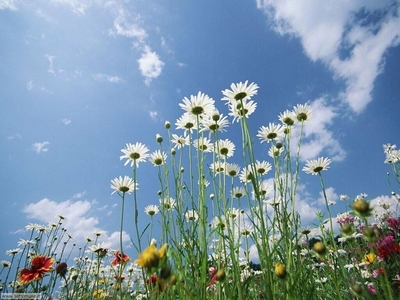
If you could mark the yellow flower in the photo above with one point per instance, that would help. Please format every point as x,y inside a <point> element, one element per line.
<point>369,258</point>
<point>280,270</point>
<point>150,258</point>
<point>99,294</point>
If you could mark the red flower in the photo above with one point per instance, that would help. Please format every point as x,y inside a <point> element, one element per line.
<point>40,265</point>
<point>120,258</point>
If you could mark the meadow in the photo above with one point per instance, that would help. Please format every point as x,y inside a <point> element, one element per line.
<point>212,212</point>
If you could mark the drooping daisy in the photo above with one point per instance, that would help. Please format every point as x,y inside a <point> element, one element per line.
<point>315,166</point>
<point>168,203</point>
<point>238,192</point>
<point>198,105</point>
<point>224,148</point>
<point>303,112</point>
<point>123,185</point>
<point>288,117</point>
<point>100,249</point>
<point>151,210</point>
<point>5,264</point>
<point>232,169</point>
<point>187,122</point>
<point>271,132</point>
<point>219,222</point>
<point>158,158</point>
<point>233,213</point>
<point>262,167</point>
<point>134,153</point>
<point>204,144</point>
<point>208,123</point>
<point>246,174</point>
<point>237,111</point>
<point>13,252</point>
<point>180,141</point>
<point>191,215</point>
<point>246,230</point>
<point>240,91</point>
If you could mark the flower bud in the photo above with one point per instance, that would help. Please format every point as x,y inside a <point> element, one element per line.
<point>220,275</point>
<point>159,138</point>
<point>320,249</point>
<point>167,125</point>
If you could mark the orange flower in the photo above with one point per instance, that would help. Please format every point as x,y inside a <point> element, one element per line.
<point>120,258</point>
<point>40,265</point>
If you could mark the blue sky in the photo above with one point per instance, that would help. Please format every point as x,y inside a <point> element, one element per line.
<point>80,78</point>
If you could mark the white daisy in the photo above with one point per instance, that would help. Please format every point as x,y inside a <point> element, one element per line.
<point>151,210</point>
<point>224,148</point>
<point>275,151</point>
<point>180,141</point>
<point>134,153</point>
<point>208,123</point>
<point>168,203</point>
<point>158,158</point>
<point>186,122</point>
<point>240,91</point>
<point>238,192</point>
<point>288,117</point>
<point>271,132</point>
<point>246,174</point>
<point>315,166</point>
<point>303,112</point>
<point>124,185</point>
<point>217,167</point>
<point>262,167</point>
<point>203,144</point>
<point>199,105</point>
<point>232,169</point>
<point>237,111</point>
<point>191,215</point>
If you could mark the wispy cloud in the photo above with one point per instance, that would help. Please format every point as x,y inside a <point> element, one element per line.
<point>8,4</point>
<point>30,86</point>
<point>14,137</point>
<point>153,115</point>
<point>66,121</point>
<point>128,26</point>
<point>50,58</point>
<point>341,35</point>
<point>77,6</point>
<point>150,65</point>
<point>41,147</point>
<point>105,77</point>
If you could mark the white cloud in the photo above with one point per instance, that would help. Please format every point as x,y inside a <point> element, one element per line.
<point>50,59</point>
<point>77,6</point>
<point>327,29</point>
<point>79,223</point>
<point>105,77</point>
<point>41,147</point>
<point>15,136</point>
<point>66,121</point>
<point>29,85</point>
<point>8,4</point>
<point>153,114</point>
<point>128,28</point>
<point>150,65</point>
<point>318,137</point>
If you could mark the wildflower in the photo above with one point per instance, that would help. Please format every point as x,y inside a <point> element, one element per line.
<point>220,275</point>
<point>224,148</point>
<point>120,258</point>
<point>320,249</point>
<point>198,105</point>
<point>187,122</point>
<point>361,208</point>
<point>240,91</point>
<point>204,144</point>
<point>270,133</point>
<point>262,167</point>
<point>287,117</point>
<point>152,257</point>
<point>158,158</point>
<point>238,111</point>
<point>246,230</point>
<point>100,250</point>
<point>99,294</point>
<point>233,213</point>
<point>219,222</point>
<point>167,125</point>
<point>151,210</point>
<point>315,166</point>
<point>217,167</point>
<point>303,112</point>
<point>159,138</point>
<point>209,123</point>
<point>280,270</point>
<point>347,229</point>
<point>123,185</point>
<point>134,153</point>
<point>98,233</point>
<point>343,197</point>
<point>40,265</point>
<point>369,258</point>
<point>191,215</point>
<point>23,242</point>
<point>263,189</point>
<point>62,269</point>
<point>274,151</point>
<point>168,203</point>
<point>180,141</point>
<point>232,169</point>
<point>13,252</point>
<point>246,175</point>
<point>5,264</point>
<point>238,192</point>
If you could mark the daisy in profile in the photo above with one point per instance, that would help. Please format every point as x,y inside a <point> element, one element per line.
<point>203,144</point>
<point>224,148</point>
<point>232,169</point>
<point>187,122</point>
<point>158,158</point>
<point>123,185</point>
<point>315,166</point>
<point>275,151</point>
<point>270,133</point>
<point>168,203</point>
<point>134,154</point>
<point>217,167</point>
<point>246,175</point>
<point>240,91</point>
<point>303,112</point>
<point>237,111</point>
<point>151,210</point>
<point>198,105</point>
<point>191,216</point>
